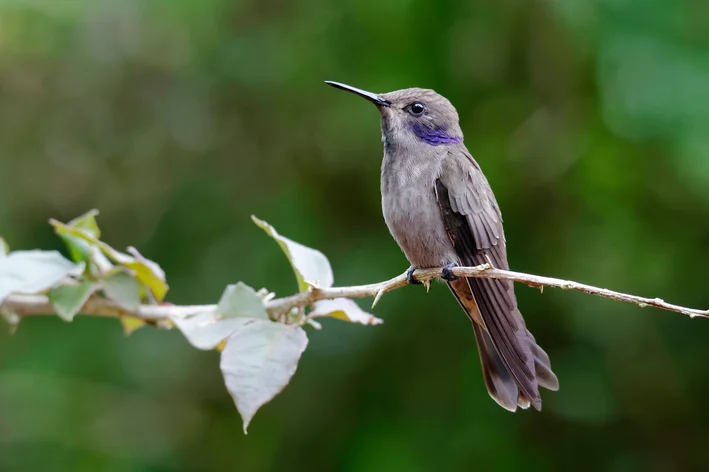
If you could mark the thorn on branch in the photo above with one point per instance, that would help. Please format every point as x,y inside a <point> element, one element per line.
<point>378,295</point>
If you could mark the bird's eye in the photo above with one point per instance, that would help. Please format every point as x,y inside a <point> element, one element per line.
<point>416,108</point>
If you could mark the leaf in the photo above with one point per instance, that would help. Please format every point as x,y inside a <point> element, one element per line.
<point>241,301</point>
<point>87,222</point>
<point>123,289</point>
<point>98,258</point>
<point>80,249</point>
<point>68,299</point>
<point>239,304</point>
<point>344,309</point>
<point>207,330</point>
<point>258,362</point>
<point>147,272</point>
<point>4,248</point>
<point>113,254</point>
<point>131,324</point>
<point>34,271</point>
<point>151,280</point>
<point>152,265</point>
<point>311,267</point>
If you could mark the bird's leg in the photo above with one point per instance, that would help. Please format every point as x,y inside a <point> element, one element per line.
<point>447,272</point>
<point>410,276</point>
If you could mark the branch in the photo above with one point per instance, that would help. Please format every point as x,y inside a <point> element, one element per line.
<point>27,305</point>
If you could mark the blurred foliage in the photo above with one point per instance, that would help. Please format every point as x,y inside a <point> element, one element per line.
<point>179,119</point>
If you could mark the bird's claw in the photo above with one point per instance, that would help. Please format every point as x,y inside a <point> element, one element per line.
<point>410,276</point>
<point>447,272</point>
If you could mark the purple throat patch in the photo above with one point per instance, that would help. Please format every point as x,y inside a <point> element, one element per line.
<point>434,137</point>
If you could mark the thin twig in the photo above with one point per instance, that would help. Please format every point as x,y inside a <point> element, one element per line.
<point>27,305</point>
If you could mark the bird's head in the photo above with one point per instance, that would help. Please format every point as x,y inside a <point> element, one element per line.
<point>414,113</point>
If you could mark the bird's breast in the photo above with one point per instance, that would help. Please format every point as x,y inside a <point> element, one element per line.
<point>412,214</point>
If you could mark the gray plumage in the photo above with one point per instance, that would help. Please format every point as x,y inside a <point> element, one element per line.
<point>441,211</point>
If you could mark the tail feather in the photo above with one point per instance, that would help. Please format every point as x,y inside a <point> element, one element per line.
<point>542,367</point>
<point>501,384</point>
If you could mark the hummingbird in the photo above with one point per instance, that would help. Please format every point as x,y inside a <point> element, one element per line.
<point>441,211</point>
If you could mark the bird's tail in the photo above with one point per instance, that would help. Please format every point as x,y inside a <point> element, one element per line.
<point>500,382</point>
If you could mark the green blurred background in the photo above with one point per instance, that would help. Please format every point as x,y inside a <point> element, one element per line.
<point>178,119</point>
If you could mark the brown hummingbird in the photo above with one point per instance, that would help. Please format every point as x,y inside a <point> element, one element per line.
<point>440,209</point>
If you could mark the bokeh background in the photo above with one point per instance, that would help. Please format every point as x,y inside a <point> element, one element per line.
<point>178,119</point>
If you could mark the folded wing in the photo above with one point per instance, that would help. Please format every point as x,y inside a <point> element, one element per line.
<point>513,364</point>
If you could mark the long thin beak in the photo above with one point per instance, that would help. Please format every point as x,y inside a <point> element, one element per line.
<point>372,97</point>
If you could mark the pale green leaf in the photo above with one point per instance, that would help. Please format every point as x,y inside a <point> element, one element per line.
<point>82,250</point>
<point>4,248</point>
<point>68,299</point>
<point>258,362</point>
<point>87,222</point>
<point>344,309</point>
<point>123,289</point>
<point>311,267</point>
<point>31,272</point>
<point>79,248</point>
<point>207,330</point>
<point>241,301</point>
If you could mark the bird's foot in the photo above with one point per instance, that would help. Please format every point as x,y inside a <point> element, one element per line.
<point>447,272</point>
<point>410,276</point>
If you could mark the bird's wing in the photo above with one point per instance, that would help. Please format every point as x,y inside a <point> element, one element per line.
<point>474,225</point>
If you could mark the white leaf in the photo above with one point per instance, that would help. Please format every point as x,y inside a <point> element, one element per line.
<point>31,272</point>
<point>258,362</point>
<point>344,309</point>
<point>206,330</point>
<point>311,267</point>
<point>241,301</point>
